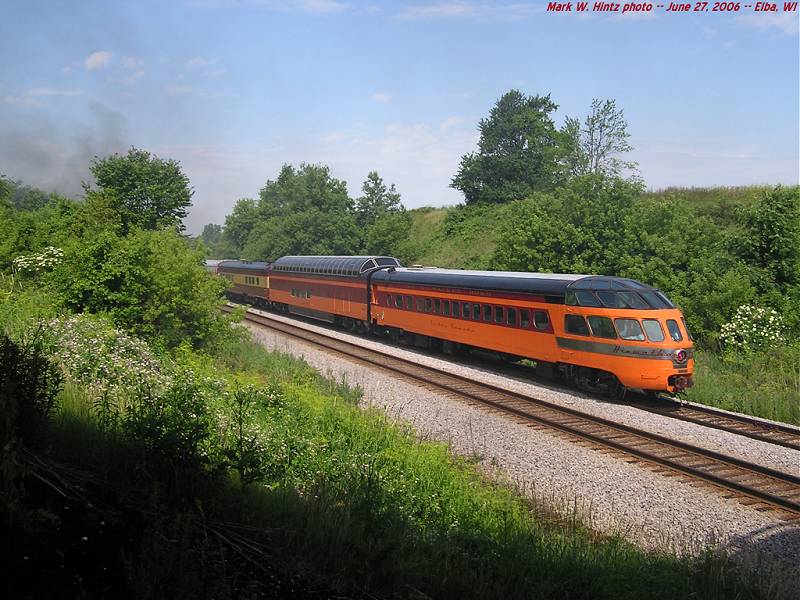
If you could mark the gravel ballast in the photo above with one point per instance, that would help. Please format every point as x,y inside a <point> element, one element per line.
<point>610,495</point>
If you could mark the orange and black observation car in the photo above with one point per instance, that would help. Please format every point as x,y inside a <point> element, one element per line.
<point>605,334</point>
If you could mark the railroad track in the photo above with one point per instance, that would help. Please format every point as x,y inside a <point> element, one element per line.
<point>771,433</point>
<point>751,484</point>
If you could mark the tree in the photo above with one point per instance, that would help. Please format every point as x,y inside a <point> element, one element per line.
<point>376,201</point>
<point>239,224</point>
<point>303,211</point>
<point>594,148</point>
<point>389,236</point>
<point>518,151</point>
<point>150,282</point>
<point>149,192</point>
<point>212,233</point>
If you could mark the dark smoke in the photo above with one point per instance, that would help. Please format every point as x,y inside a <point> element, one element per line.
<point>54,160</point>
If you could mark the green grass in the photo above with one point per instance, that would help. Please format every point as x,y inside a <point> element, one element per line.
<point>345,504</point>
<point>361,500</point>
<point>765,384</point>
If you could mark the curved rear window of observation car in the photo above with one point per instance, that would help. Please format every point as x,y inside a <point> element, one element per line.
<point>607,292</point>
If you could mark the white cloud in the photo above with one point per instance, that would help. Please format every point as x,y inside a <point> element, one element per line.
<point>450,122</point>
<point>133,77</point>
<point>463,9</point>
<point>97,60</point>
<point>381,97</point>
<point>131,62</point>
<point>785,22</point>
<point>316,6</point>
<point>66,70</point>
<point>199,61</point>
<point>178,90</point>
<point>23,101</point>
<point>47,91</point>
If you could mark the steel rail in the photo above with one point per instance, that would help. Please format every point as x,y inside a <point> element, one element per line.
<point>754,428</point>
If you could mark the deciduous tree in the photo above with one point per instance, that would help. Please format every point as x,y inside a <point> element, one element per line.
<point>596,148</point>
<point>518,151</point>
<point>149,192</point>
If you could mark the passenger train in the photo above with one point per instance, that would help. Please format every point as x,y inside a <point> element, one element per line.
<point>603,334</point>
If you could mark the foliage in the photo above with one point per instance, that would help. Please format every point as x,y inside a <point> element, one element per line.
<point>212,233</point>
<point>753,328</point>
<point>149,282</point>
<point>40,261</point>
<point>304,211</point>
<point>238,225</point>
<point>764,383</point>
<point>518,151</point>
<point>147,191</point>
<point>377,201</point>
<point>29,383</point>
<point>594,148</point>
<point>389,236</point>
<point>106,362</point>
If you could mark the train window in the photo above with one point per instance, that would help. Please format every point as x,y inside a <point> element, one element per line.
<point>446,307</point>
<point>633,299</point>
<point>487,312</point>
<point>398,301</point>
<point>610,300</point>
<point>653,330</point>
<point>524,317</point>
<point>420,304</point>
<point>586,298</point>
<point>498,314</point>
<point>674,330</point>
<point>686,329</point>
<point>570,298</point>
<point>428,305</point>
<point>575,324</point>
<point>629,329</point>
<point>456,308</point>
<point>409,302</point>
<point>476,312</point>
<point>540,319</point>
<point>437,306</point>
<point>467,311</point>
<point>308,294</point>
<point>602,327</point>
<point>654,300</point>
<point>511,316</point>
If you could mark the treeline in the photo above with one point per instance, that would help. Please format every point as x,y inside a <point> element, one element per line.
<point>308,211</point>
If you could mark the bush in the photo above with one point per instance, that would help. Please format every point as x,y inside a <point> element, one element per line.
<point>753,328</point>
<point>150,283</point>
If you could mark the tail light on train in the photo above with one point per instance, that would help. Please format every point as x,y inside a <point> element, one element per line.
<point>680,356</point>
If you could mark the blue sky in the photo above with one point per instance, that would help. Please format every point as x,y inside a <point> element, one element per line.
<point>234,89</point>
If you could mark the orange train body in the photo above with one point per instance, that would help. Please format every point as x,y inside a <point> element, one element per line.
<point>600,331</point>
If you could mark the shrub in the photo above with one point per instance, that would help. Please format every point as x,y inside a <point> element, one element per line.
<point>39,261</point>
<point>108,363</point>
<point>753,328</point>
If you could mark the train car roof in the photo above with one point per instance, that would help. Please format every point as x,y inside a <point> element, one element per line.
<point>548,284</point>
<point>508,281</point>
<point>348,266</point>
<point>243,265</point>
